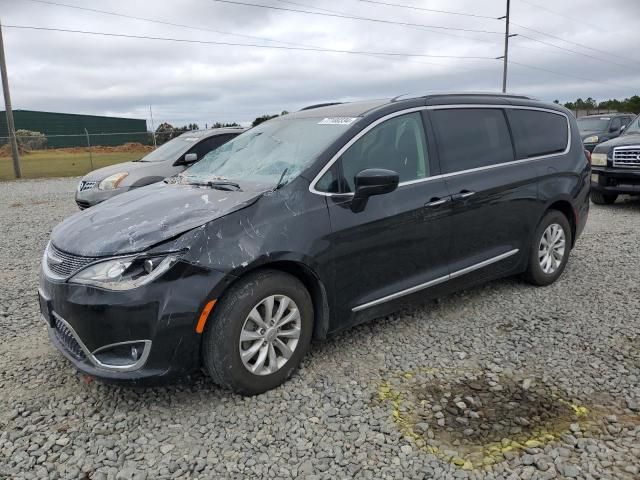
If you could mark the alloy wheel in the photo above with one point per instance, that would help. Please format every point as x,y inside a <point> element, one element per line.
<point>270,335</point>
<point>552,248</point>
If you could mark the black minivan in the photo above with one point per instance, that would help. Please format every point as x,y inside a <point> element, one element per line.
<point>309,224</point>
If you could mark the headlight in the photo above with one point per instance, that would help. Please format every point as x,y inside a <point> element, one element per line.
<point>599,159</point>
<point>112,181</point>
<point>124,273</point>
<point>591,139</point>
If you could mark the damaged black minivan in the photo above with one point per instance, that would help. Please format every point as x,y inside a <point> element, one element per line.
<point>309,224</point>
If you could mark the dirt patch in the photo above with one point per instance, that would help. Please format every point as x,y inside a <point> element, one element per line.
<point>475,419</point>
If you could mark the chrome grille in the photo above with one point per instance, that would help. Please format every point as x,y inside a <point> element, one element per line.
<point>626,156</point>
<point>68,341</point>
<point>86,185</point>
<point>65,264</point>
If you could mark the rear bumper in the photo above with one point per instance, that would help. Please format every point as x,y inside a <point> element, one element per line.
<point>618,181</point>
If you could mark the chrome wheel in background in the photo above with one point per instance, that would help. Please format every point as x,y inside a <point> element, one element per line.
<point>270,335</point>
<point>552,248</point>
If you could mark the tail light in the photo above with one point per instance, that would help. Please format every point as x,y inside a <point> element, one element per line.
<point>587,154</point>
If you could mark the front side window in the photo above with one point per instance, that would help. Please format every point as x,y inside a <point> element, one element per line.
<point>280,148</point>
<point>537,133</point>
<point>471,138</point>
<point>397,144</point>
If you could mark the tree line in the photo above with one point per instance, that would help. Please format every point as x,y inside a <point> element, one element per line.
<point>166,131</point>
<point>628,105</point>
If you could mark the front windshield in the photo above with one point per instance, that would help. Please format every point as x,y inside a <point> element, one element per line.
<point>634,127</point>
<point>171,150</point>
<point>280,148</point>
<point>598,124</point>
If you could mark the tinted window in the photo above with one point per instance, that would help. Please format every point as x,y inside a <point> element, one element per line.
<point>209,144</point>
<point>616,123</point>
<point>397,144</point>
<point>471,138</point>
<point>538,133</point>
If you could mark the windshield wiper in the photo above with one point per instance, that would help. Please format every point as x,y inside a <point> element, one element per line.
<point>223,185</point>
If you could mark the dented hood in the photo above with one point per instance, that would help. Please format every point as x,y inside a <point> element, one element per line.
<point>144,217</point>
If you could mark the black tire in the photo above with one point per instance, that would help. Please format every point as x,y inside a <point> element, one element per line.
<point>603,199</point>
<point>221,340</point>
<point>535,273</point>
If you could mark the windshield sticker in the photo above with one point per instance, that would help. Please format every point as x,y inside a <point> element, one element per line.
<point>337,121</point>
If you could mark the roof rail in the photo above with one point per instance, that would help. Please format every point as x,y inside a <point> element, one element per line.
<point>328,104</point>
<point>407,96</point>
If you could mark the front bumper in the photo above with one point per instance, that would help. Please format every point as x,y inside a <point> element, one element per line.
<point>618,181</point>
<point>93,196</point>
<point>84,322</point>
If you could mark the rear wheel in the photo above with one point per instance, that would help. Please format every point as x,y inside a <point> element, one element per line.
<point>603,199</point>
<point>549,249</point>
<point>259,333</point>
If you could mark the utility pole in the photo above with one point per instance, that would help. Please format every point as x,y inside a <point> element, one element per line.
<point>505,57</point>
<point>153,129</point>
<point>11,128</point>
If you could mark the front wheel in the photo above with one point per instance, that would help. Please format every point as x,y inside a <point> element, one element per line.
<point>550,249</point>
<point>259,332</point>
<point>603,199</point>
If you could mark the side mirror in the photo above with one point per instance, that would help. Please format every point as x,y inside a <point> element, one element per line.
<point>622,128</point>
<point>190,158</point>
<point>372,181</point>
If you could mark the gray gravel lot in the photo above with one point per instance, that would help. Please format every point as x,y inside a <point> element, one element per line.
<point>502,381</point>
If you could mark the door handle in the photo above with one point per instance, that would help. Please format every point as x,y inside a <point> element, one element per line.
<point>436,202</point>
<point>464,194</point>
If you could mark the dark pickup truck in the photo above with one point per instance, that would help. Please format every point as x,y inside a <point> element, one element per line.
<point>616,166</point>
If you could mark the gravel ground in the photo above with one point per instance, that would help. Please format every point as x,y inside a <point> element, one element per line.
<point>502,381</point>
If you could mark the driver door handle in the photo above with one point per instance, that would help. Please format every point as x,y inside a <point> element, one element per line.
<point>436,202</point>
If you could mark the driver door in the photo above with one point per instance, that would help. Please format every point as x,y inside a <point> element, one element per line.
<point>399,243</point>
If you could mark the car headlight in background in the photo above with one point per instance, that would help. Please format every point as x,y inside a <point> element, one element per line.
<point>591,139</point>
<point>112,181</point>
<point>599,159</point>
<point>125,273</point>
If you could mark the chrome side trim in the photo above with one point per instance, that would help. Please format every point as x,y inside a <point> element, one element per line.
<point>436,281</point>
<point>97,363</point>
<point>480,265</point>
<point>335,158</point>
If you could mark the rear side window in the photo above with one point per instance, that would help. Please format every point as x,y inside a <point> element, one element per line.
<point>471,137</point>
<point>538,133</point>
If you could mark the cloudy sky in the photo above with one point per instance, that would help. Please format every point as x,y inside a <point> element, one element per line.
<point>204,82</point>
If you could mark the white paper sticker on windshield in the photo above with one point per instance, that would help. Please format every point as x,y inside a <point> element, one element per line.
<point>337,121</point>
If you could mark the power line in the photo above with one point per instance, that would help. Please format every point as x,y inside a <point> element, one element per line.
<point>580,21</point>
<point>566,74</point>
<point>275,47</point>
<point>575,52</point>
<point>162,22</point>
<point>573,43</point>
<point>191,27</point>
<point>430,10</point>
<point>353,17</point>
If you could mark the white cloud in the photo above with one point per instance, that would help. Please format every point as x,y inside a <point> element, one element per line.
<point>204,83</point>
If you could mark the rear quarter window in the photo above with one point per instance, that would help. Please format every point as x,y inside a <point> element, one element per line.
<point>537,133</point>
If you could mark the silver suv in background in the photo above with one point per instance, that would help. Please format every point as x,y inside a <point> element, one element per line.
<point>167,160</point>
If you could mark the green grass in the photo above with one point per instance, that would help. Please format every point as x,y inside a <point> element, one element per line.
<point>52,163</point>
